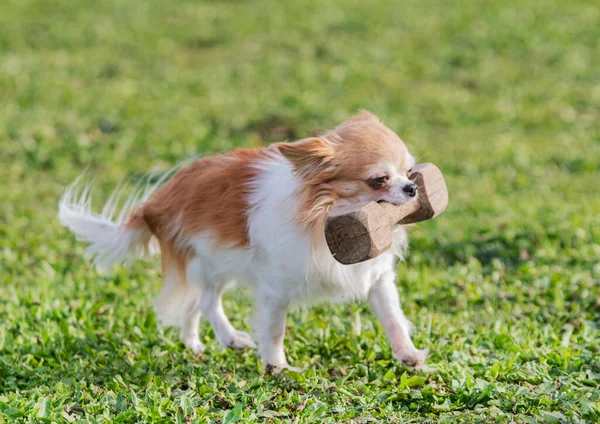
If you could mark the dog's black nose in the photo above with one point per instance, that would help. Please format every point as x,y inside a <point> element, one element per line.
<point>410,189</point>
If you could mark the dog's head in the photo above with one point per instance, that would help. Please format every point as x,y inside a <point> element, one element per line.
<point>359,161</point>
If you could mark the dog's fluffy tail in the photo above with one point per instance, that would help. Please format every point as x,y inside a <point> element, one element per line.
<point>111,239</point>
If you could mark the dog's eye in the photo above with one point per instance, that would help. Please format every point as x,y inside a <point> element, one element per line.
<point>378,181</point>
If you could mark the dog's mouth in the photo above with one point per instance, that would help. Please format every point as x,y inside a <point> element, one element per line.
<point>397,203</point>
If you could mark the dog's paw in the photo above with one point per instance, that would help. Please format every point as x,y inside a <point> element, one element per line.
<point>277,369</point>
<point>413,358</point>
<point>194,344</point>
<point>241,340</point>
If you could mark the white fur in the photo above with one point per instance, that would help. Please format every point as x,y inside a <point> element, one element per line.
<point>109,243</point>
<point>280,266</point>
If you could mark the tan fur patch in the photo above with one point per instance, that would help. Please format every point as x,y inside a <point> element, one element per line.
<point>209,195</point>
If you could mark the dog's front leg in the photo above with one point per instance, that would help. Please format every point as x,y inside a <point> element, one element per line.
<point>269,327</point>
<point>384,300</point>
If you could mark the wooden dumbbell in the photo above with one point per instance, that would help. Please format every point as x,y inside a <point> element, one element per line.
<point>362,234</point>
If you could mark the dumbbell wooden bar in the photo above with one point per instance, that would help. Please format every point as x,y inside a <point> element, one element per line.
<point>362,234</point>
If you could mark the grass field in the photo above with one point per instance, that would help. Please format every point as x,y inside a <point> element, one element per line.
<point>504,287</point>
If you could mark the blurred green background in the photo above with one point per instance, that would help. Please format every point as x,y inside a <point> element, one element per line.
<point>504,96</point>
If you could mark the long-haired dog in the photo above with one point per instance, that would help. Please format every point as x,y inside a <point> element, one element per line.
<point>256,217</point>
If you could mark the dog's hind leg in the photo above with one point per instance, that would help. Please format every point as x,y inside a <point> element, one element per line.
<point>190,331</point>
<point>178,302</point>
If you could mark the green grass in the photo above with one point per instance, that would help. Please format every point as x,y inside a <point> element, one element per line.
<point>504,287</point>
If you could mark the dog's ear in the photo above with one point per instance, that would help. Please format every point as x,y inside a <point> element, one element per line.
<point>309,154</point>
<point>364,115</point>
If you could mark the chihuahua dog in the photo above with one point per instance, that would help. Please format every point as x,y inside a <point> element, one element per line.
<point>257,217</point>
